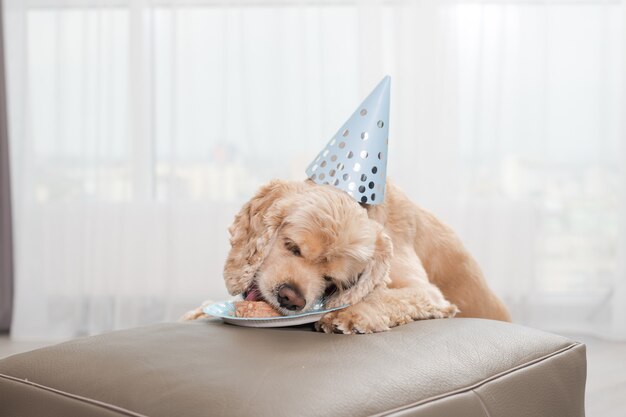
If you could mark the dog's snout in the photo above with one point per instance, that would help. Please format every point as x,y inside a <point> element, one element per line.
<point>290,298</point>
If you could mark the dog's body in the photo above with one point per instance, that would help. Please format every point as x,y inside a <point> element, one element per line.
<point>429,263</point>
<point>427,250</point>
<point>296,242</point>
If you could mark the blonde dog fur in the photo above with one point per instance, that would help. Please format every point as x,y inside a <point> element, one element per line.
<point>392,263</point>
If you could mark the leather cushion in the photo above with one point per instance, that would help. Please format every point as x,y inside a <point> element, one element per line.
<point>210,368</point>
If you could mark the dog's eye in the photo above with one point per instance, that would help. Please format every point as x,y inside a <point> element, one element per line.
<point>330,290</point>
<point>293,248</point>
<point>328,279</point>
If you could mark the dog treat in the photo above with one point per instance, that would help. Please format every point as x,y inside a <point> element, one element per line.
<point>254,309</point>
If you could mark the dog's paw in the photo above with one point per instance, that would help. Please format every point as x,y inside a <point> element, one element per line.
<point>193,315</point>
<point>196,314</point>
<point>361,319</point>
<point>443,311</point>
<point>426,311</point>
<point>352,321</point>
<point>449,311</point>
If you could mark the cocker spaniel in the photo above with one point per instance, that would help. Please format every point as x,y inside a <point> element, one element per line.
<point>296,243</point>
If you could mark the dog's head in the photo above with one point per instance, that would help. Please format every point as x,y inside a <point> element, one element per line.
<point>297,243</point>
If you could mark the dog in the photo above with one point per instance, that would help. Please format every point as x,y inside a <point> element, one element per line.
<point>296,243</point>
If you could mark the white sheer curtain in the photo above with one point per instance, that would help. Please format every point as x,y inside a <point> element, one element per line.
<point>139,127</point>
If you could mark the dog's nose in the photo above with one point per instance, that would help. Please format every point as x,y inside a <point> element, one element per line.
<point>290,298</point>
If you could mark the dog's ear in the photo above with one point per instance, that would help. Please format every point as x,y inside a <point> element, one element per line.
<point>376,272</point>
<point>251,235</point>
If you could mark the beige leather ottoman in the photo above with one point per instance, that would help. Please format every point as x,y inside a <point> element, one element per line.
<point>456,367</point>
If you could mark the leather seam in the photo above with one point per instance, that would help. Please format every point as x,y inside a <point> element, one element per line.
<point>477,384</point>
<point>482,403</point>
<point>91,401</point>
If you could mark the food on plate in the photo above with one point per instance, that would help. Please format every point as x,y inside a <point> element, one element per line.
<point>254,309</point>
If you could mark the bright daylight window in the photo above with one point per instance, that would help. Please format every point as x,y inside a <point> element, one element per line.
<point>540,120</point>
<point>161,118</point>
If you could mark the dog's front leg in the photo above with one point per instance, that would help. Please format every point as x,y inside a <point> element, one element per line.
<point>388,307</point>
<point>196,314</point>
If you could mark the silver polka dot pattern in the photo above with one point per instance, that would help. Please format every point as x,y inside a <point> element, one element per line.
<point>355,158</point>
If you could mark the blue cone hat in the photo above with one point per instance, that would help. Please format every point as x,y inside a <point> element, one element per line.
<point>355,159</point>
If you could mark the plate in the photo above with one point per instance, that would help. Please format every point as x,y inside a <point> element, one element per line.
<point>226,311</point>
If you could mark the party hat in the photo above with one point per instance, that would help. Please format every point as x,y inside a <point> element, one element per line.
<point>355,159</point>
